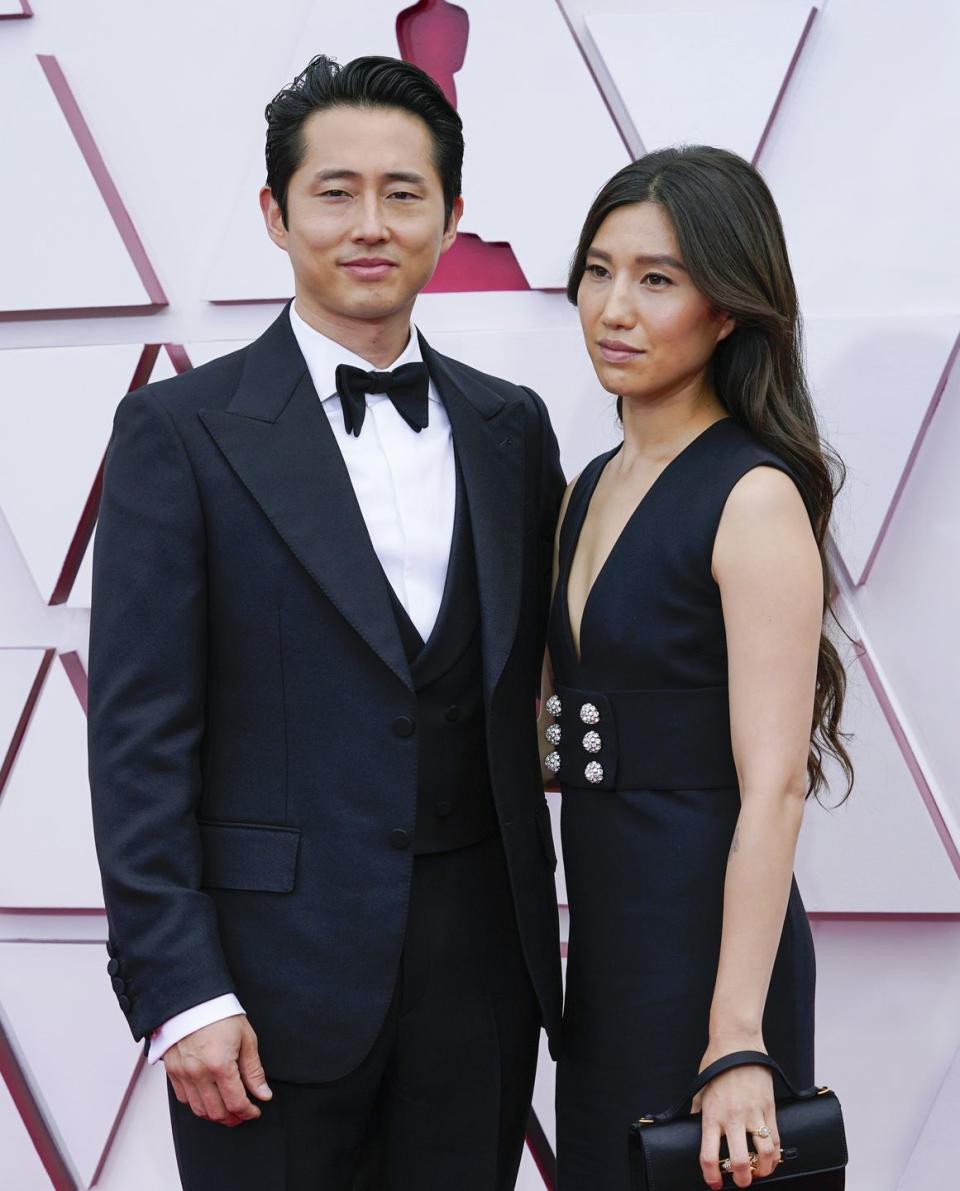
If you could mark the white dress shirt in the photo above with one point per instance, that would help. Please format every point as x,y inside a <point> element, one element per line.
<point>406,484</point>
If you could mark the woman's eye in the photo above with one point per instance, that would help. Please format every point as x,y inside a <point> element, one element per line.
<point>596,270</point>
<point>661,281</point>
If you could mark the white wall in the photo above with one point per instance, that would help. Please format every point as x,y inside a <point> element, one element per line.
<point>158,203</point>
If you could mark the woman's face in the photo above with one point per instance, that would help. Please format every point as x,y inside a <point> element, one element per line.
<point>648,329</point>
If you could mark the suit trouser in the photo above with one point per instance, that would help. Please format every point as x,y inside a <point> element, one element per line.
<point>440,1103</point>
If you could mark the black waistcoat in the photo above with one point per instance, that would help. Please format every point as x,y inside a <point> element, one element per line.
<point>454,800</point>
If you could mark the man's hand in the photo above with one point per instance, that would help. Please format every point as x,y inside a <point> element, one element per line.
<point>210,1068</point>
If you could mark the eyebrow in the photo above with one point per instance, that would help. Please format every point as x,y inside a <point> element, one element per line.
<point>644,259</point>
<point>393,176</point>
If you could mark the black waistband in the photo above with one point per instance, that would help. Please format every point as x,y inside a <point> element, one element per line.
<point>644,740</point>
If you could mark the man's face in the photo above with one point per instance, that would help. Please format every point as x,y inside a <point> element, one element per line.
<point>365,217</point>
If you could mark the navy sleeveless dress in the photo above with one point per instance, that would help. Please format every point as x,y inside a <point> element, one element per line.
<point>650,802</point>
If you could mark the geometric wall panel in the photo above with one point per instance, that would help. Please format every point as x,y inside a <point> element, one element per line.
<point>163,369</point>
<point>19,671</point>
<point>11,10</point>
<point>878,852</point>
<point>141,1157</point>
<point>874,417</point>
<point>20,1165</point>
<point>57,406</point>
<point>47,855</point>
<point>82,259</point>
<point>735,60</point>
<point>934,1159</point>
<point>528,102</point>
<point>887,1032</point>
<point>71,1038</point>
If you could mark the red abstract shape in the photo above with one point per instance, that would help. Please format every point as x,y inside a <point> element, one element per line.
<point>472,265</point>
<point>432,34</point>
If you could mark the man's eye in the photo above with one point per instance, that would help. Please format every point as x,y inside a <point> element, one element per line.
<point>333,193</point>
<point>403,194</point>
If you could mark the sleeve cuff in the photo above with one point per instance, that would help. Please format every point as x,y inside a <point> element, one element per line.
<point>195,1018</point>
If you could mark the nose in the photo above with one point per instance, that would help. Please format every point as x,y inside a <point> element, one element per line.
<point>370,227</point>
<point>618,311</point>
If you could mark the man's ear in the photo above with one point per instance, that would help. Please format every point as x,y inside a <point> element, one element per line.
<point>273,218</point>
<point>450,231</point>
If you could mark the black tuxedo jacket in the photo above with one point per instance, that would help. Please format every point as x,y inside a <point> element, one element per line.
<point>247,749</point>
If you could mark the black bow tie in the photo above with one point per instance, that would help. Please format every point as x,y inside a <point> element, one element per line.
<point>406,386</point>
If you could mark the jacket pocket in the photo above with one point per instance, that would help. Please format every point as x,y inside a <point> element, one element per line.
<point>251,856</point>
<point>546,835</point>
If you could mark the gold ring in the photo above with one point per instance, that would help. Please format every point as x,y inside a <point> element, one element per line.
<point>763,1131</point>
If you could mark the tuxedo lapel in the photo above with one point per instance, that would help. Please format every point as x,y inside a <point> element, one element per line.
<point>488,436</point>
<point>276,437</point>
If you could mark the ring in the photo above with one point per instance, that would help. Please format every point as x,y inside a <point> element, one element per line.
<point>763,1131</point>
<point>727,1164</point>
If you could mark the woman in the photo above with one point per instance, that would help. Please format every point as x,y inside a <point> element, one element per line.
<point>688,663</point>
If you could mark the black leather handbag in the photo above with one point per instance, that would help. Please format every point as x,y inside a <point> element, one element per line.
<point>665,1146</point>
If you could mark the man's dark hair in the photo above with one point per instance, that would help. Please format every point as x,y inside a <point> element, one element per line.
<point>370,82</point>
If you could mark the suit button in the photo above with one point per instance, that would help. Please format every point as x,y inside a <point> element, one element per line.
<point>443,810</point>
<point>403,726</point>
<point>118,984</point>
<point>124,1004</point>
<point>399,838</point>
<point>113,967</point>
<point>111,950</point>
<point>453,713</point>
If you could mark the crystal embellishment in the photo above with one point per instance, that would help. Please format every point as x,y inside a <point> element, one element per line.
<point>554,706</point>
<point>594,772</point>
<point>592,742</point>
<point>552,733</point>
<point>589,714</point>
<point>552,762</point>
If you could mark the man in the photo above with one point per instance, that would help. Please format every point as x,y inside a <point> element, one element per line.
<point>320,586</point>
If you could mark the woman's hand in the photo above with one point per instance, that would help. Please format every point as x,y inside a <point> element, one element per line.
<point>732,1105</point>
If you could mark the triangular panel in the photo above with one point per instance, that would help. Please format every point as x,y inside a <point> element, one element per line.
<point>873,381</point>
<point>72,1037</point>
<point>879,852</point>
<point>47,855</point>
<point>80,261</point>
<point>701,75</point>
<point>58,410</point>
<point>20,1165</point>
<point>142,1154</point>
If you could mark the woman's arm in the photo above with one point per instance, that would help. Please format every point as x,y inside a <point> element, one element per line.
<point>767,566</point>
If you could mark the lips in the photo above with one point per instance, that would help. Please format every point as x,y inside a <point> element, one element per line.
<point>616,352</point>
<point>369,268</point>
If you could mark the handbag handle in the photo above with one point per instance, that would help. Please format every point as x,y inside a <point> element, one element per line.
<point>739,1058</point>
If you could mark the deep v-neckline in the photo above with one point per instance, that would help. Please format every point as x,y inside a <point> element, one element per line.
<point>576,644</point>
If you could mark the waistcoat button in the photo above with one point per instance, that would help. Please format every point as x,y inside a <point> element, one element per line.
<point>399,838</point>
<point>403,725</point>
<point>453,713</point>
<point>443,810</point>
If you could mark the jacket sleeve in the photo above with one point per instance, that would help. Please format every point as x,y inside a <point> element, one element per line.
<point>147,677</point>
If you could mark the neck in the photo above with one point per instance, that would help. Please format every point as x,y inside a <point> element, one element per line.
<point>656,429</point>
<point>378,341</point>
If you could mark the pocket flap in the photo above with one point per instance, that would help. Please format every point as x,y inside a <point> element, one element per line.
<point>249,856</point>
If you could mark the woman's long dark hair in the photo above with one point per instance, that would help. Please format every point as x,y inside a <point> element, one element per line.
<point>732,243</point>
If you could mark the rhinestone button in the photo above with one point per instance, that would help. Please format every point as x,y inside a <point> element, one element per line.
<point>592,742</point>
<point>552,733</point>
<point>552,762</point>
<point>594,772</point>
<point>589,714</point>
<point>554,706</point>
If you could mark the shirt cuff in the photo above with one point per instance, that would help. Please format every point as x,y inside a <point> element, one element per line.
<point>195,1018</point>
